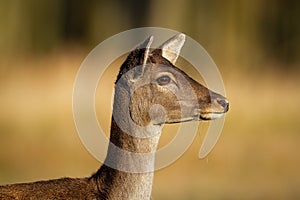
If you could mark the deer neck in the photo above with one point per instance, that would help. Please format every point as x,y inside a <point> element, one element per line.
<point>138,135</point>
<point>128,169</point>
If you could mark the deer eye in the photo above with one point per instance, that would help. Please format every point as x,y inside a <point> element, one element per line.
<point>163,80</point>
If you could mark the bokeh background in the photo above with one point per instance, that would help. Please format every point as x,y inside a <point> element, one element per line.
<point>255,44</point>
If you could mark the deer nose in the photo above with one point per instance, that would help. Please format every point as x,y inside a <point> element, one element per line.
<point>224,103</point>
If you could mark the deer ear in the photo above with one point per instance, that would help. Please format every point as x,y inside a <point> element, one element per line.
<point>171,48</point>
<point>145,47</point>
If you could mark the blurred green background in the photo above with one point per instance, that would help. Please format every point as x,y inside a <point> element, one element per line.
<point>255,44</point>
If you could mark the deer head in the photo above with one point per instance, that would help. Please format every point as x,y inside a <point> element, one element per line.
<point>162,93</point>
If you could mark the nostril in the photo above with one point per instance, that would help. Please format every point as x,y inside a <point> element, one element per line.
<point>224,103</point>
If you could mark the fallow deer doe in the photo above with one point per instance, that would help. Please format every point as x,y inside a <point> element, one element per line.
<point>149,92</point>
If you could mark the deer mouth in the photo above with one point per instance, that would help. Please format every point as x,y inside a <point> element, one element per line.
<point>210,115</point>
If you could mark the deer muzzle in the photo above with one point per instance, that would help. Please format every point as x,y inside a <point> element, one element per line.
<point>218,107</point>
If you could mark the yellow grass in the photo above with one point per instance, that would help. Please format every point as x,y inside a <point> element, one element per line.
<point>257,156</point>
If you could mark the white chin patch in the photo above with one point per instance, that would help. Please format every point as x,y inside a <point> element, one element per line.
<point>210,116</point>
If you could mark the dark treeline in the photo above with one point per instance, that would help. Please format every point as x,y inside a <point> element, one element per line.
<point>245,33</point>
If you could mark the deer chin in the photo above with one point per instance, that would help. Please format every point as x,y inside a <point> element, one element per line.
<point>202,116</point>
<point>187,119</point>
<point>210,115</point>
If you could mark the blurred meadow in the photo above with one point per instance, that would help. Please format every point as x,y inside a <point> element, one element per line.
<point>255,44</point>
